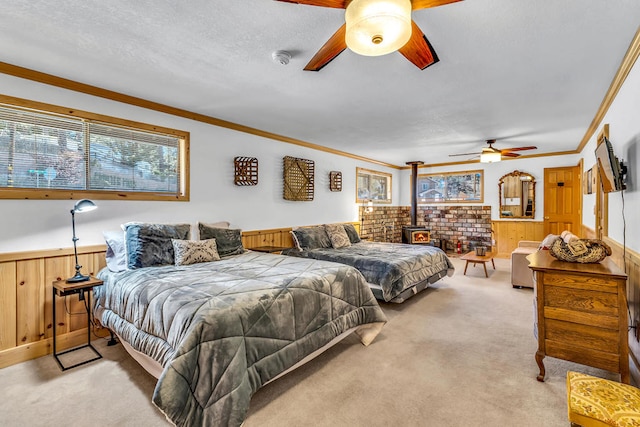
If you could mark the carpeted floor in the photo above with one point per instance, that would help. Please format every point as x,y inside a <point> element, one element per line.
<point>459,354</point>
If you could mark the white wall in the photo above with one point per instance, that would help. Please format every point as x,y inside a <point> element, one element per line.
<point>43,224</point>
<point>623,118</point>
<point>493,172</point>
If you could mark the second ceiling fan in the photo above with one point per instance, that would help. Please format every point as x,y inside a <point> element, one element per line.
<point>376,27</point>
<point>490,154</point>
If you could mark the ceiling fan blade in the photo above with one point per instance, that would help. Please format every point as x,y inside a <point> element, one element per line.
<point>531,147</point>
<point>464,154</point>
<point>508,154</point>
<point>339,4</point>
<point>332,48</point>
<point>424,4</point>
<point>418,50</point>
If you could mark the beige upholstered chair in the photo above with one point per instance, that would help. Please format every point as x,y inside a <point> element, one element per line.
<point>521,275</point>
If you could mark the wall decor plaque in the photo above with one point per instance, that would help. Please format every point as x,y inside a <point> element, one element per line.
<point>335,181</point>
<point>246,171</point>
<point>298,179</point>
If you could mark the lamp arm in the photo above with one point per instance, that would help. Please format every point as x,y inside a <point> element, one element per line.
<point>78,277</point>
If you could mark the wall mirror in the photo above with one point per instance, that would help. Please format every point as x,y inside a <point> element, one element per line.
<point>517,195</point>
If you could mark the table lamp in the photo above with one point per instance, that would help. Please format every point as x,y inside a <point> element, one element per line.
<point>84,205</point>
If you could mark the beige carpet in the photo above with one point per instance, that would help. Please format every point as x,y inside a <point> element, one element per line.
<point>459,354</point>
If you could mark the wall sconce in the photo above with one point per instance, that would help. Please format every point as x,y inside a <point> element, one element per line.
<point>84,205</point>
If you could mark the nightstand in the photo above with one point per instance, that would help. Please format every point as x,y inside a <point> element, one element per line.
<point>61,288</point>
<point>270,249</point>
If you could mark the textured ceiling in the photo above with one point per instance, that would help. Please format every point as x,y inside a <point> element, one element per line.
<point>521,71</point>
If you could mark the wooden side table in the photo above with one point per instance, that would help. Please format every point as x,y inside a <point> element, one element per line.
<point>477,259</point>
<point>62,288</point>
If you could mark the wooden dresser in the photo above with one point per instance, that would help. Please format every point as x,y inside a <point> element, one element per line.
<point>581,313</point>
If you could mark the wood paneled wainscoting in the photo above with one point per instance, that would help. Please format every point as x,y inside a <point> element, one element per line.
<point>633,299</point>
<point>26,299</point>
<point>507,234</point>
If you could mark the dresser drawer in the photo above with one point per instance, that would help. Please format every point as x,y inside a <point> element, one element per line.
<point>593,302</point>
<point>581,282</point>
<point>582,336</point>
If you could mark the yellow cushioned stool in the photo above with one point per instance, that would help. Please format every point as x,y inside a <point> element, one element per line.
<point>597,402</point>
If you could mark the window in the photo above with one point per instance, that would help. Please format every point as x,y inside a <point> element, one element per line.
<point>457,187</point>
<point>372,186</point>
<point>55,153</point>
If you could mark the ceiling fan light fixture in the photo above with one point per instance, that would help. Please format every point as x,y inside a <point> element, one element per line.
<point>377,27</point>
<point>490,156</point>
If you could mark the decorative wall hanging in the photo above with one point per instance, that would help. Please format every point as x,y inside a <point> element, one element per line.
<point>335,181</point>
<point>298,178</point>
<point>373,186</point>
<point>246,171</point>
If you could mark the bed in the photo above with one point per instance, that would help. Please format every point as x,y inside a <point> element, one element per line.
<point>394,271</point>
<point>216,331</point>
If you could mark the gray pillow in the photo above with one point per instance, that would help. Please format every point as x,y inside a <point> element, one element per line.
<point>228,240</point>
<point>149,245</point>
<point>352,233</point>
<point>337,235</point>
<point>116,253</point>
<point>312,237</point>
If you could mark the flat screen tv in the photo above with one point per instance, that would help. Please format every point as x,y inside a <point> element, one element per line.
<point>610,169</point>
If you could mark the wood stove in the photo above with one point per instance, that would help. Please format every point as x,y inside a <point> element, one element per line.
<point>416,235</point>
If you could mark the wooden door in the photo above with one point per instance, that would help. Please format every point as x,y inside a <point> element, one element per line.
<point>562,200</point>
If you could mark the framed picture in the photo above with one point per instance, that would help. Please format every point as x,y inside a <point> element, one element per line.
<point>372,186</point>
<point>455,187</point>
<point>590,181</point>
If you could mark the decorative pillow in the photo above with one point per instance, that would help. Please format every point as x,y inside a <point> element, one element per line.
<point>149,245</point>
<point>307,238</point>
<point>228,240</point>
<point>219,224</point>
<point>352,233</point>
<point>116,253</point>
<point>337,235</point>
<point>194,251</point>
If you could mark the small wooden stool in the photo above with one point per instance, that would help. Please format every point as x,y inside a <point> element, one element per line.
<point>596,402</point>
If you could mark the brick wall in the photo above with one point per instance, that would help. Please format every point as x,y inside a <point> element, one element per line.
<point>468,224</point>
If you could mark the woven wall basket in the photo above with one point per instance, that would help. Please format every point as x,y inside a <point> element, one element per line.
<point>584,251</point>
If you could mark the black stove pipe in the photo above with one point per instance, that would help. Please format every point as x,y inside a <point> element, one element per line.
<point>414,192</point>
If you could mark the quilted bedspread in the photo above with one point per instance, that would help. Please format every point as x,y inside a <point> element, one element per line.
<point>393,266</point>
<point>223,329</point>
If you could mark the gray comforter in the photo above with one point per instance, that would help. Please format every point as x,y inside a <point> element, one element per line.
<point>223,329</point>
<point>395,267</point>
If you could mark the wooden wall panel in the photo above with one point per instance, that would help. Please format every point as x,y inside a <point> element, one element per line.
<point>632,268</point>
<point>7,305</point>
<point>274,237</point>
<point>507,234</point>
<point>56,268</point>
<point>30,300</point>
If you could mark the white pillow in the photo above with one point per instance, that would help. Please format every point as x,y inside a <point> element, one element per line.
<point>188,252</point>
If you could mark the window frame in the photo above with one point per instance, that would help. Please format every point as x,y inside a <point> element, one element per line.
<point>61,194</point>
<point>443,176</point>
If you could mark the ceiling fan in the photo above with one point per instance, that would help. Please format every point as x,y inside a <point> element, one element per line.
<point>490,154</point>
<point>376,27</point>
